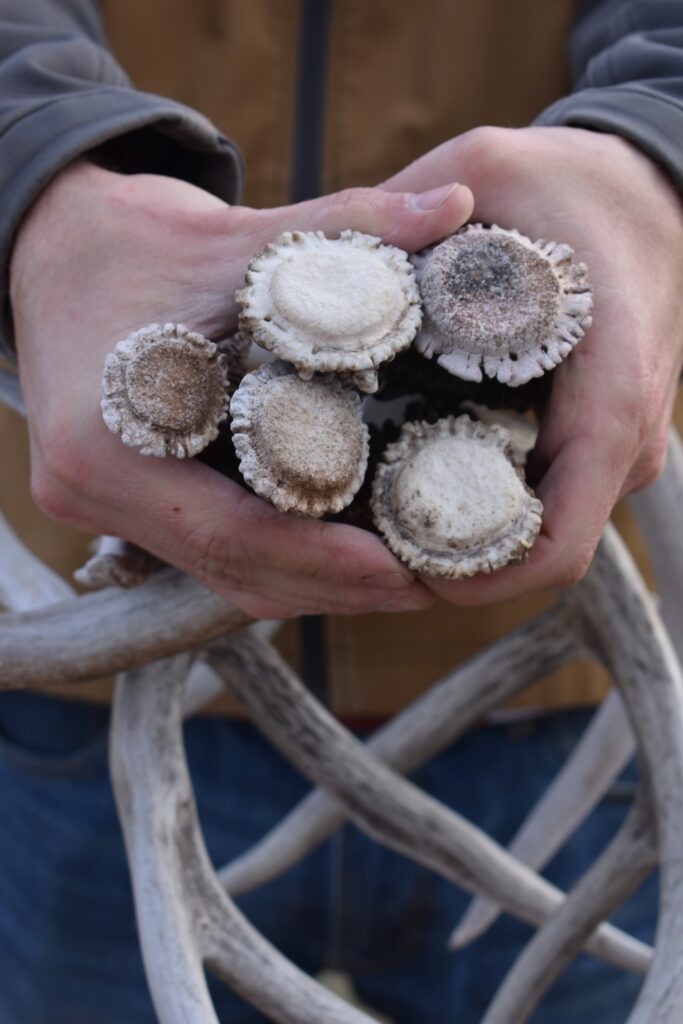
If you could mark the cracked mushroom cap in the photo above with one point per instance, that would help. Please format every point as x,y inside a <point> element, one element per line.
<point>301,444</point>
<point>494,301</point>
<point>164,390</point>
<point>340,305</point>
<point>450,501</point>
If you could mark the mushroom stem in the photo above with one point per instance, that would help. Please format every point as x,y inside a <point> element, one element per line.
<point>605,748</point>
<point>621,624</point>
<point>386,806</point>
<point>184,916</point>
<point>116,563</point>
<point>610,880</point>
<point>429,725</point>
<point>205,685</point>
<point>66,643</point>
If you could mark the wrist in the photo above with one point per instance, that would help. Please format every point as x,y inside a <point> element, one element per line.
<point>43,230</point>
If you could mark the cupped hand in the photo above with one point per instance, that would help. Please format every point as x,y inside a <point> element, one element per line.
<point>603,431</point>
<point>101,254</point>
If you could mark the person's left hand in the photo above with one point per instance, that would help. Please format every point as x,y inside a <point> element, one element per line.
<point>603,431</point>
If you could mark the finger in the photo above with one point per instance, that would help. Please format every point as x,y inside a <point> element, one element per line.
<point>429,171</point>
<point>650,463</point>
<point>578,500</point>
<point>192,517</point>
<point>405,219</point>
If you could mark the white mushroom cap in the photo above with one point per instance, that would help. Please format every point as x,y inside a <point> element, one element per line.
<point>344,305</point>
<point>301,444</point>
<point>450,501</point>
<point>164,390</point>
<point>494,301</point>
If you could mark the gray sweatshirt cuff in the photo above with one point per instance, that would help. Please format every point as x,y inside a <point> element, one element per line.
<point>646,118</point>
<point>32,151</point>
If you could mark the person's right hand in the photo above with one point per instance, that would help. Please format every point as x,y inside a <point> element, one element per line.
<point>100,255</point>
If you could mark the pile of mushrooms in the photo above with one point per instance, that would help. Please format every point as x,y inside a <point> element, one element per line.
<point>350,317</point>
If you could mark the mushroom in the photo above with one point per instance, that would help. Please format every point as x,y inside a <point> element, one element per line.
<point>494,301</point>
<point>451,501</point>
<point>301,444</point>
<point>343,305</point>
<point>164,390</point>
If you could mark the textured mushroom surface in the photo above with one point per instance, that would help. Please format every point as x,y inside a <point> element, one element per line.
<point>235,350</point>
<point>301,444</point>
<point>345,304</point>
<point>164,390</point>
<point>450,501</point>
<point>497,303</point>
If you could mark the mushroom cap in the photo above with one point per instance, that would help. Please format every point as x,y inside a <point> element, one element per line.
<point>343,305</point>
<point>450,500</point>
<point>164,390</point>
<point>301,444</point>
<point>498,302</point>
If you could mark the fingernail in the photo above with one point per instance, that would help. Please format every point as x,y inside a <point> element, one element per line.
<point>388,580</point>
<point>429,202</point>
<point>401,604</point>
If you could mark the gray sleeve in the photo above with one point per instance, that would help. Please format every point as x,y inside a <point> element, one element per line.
<point>627,63</point>
<point>62,94</point>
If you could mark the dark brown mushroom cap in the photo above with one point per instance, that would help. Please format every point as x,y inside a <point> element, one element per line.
<point>301,444</point>
<point>494,301</point>
<point>450,500</point>
<point>164,390</point>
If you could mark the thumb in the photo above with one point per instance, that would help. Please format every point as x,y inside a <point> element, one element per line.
<point>405,219</point>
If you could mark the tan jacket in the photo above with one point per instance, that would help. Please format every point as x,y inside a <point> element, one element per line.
<point>402,76</point>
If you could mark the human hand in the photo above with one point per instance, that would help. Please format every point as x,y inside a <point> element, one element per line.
<point>603,430</point>
<point>101,254</point>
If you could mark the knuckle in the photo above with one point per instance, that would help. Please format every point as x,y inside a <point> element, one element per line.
<point>51,497</point>
<point>575,568</point>
<point>650,465</point>
<point>486,151</point>
<point>351,200</point>
<point>64,458</point>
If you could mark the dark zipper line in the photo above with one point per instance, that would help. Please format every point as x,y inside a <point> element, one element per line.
<point>309,108</point>
<point>305,183</point>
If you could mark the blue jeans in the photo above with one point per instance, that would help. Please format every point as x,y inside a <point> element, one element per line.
<point>68,945</point>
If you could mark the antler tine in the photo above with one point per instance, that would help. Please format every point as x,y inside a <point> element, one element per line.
<point>611,879</point>
<point>389,808</point>
<point>66,643</point>
<point>608,743</point>
<point>116,563</point>
<point>426,727</point>
<point>622,626</point>
<point>605,748</point>
<point>184,915</point>
<point>25,582</point>
<point>204,684</point>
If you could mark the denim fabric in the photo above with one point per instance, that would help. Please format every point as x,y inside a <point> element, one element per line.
<point>68,944</point>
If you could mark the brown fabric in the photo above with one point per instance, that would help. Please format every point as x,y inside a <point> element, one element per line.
<point>233,61</point>
<point>406,76</point>
<point>402,77</point>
